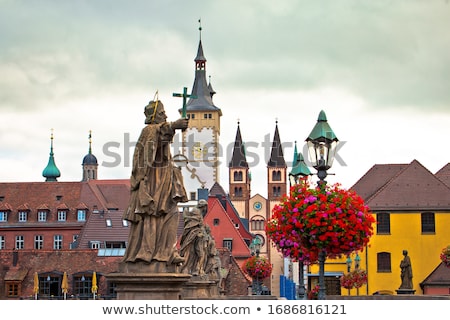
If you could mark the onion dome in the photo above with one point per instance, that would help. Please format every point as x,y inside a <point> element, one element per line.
<point>51,171</point>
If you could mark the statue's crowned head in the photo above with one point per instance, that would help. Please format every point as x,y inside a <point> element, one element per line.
<point>154,112</point>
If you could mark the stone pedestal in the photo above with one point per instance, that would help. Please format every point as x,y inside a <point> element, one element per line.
<point>405,291</point>
<point>200,289</point>
<point>149,286</point>
<point>148,281</point>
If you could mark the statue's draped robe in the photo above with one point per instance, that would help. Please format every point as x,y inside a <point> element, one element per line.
<point>406,273</point>
<point>191,242</point>
<point>156,188</point>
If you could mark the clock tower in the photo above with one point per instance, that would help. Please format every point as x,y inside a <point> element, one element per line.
<point>200,149</point>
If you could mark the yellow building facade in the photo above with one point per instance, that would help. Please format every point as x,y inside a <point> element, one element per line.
<point>411,207</point>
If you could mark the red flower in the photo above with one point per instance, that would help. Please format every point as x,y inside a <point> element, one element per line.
<point>445,256</point>
<point>354,279</point>
<point>257,267</point>
<point>313,293</point>
<point>310,220</point>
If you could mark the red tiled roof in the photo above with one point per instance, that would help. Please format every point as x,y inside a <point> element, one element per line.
<point>444,174</point>
<point>43,206</point>
<point>403,187</point>
<point>5,206</point>
<point>35,194</point>
<point>375,178</point>
<point>439,276</point>
<point>96,229</point>
<point>62,206</point>
<point>23,206</point>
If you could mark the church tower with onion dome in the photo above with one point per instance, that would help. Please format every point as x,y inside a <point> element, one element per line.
<point>90,164</point>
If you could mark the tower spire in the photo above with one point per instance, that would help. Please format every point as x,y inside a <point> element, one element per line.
<point>51,171</point>
<point>90,141</point>
<point>238,159</point>
<point>276,156</point>
<point>90,163</point>
<point>201,94</point>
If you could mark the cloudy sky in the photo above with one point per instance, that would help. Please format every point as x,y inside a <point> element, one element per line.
<point>379,69</point>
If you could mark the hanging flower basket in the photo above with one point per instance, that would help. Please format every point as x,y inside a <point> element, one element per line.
<point>310,220</point>
<point>313,294</point>
<point>257,267</point>
<point>354,279</point>
<point>445,256</point>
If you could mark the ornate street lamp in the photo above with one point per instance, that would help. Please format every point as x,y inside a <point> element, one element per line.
<point>298,173</point>
<point>322,143</point>
<point>357,261</point>
<point>349,263</point>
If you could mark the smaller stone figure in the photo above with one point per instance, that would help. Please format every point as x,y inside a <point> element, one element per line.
<point>213,264</point>
<point>192,242</point>
<point>406,272</point>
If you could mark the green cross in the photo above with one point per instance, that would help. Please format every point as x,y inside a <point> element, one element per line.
<point>184,95</point>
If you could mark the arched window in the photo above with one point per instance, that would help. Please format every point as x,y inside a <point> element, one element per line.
<point>276,175</point>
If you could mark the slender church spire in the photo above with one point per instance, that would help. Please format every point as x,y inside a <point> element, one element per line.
<point>276,155</point>
<point>51,171</point>
<point>238,159</point>
<point>276,169</point>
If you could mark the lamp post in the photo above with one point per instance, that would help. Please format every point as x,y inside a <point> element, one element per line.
<point>299,173</point>
<point>349,261</point>
<point>322,143</point>
<point>255,247</point>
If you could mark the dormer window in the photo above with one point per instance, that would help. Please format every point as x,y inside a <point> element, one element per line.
<point>62,215</point>
<point>3,216</point>
<point>23,216</point>
<point>81,215</point>
<point>42,215</point>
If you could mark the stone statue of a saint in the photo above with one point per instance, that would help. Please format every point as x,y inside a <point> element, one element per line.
<point>156,189</point>
<point>406,272</point>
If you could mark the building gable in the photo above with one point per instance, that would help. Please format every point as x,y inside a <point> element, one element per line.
<point>412,188</point>
<point>223,228</point>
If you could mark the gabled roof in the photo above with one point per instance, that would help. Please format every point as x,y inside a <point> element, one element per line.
<point>97,229</point>
<point>438,277</point>
<point>412,187</point>
<point>444,174</point>
<point>217,189</point>
<point>226,228</point>
<point>375,178</point>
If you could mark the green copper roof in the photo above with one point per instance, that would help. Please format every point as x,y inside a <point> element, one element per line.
<point>299,167</point>
<point>51,172</point>
<point>322,130</point>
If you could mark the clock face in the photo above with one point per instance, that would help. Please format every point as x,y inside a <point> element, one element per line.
<point>257,205</point>
<point>199,151</point>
